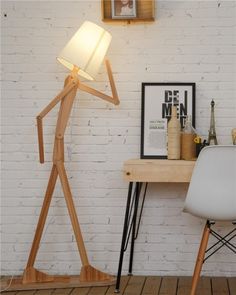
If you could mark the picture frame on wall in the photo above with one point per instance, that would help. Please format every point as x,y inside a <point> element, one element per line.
<point>124,9</point>
<point>157,100</point>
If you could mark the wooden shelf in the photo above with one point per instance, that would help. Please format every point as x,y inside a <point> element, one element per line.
<point>145,12</point>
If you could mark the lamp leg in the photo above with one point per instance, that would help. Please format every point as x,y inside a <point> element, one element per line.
<point>200,257</point>
<point>31,274</point>
<point>88,273</point>
<point>72,212</point>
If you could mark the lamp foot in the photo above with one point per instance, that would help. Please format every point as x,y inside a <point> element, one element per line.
<point>90,274</point>
<point>33,279</point>
<point>32,275</point>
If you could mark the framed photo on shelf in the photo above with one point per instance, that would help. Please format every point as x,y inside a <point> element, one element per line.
<point>157,100</point>
<point>123,9</point>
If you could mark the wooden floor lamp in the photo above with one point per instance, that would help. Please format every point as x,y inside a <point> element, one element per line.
<point>83,55</point>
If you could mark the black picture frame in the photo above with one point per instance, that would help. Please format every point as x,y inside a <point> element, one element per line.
<point>157,99</point>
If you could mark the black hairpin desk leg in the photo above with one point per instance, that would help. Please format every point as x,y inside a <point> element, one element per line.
<point>130,226</point>
<point>136,201</point>
<point>124,236</point>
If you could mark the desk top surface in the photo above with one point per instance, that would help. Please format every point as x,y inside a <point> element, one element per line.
<point>152,170</point>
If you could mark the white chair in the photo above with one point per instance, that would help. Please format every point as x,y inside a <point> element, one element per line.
<point>212,196</point>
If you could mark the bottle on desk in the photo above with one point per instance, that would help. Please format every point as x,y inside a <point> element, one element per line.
<point>173,134</point>
<point>188,146</point>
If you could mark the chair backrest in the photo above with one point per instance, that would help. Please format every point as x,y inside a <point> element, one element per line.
<point>212,190</point>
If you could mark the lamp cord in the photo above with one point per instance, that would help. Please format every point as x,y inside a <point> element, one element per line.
<point>9,285</point>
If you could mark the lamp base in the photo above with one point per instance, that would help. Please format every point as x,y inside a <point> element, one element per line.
<point>34,279</point>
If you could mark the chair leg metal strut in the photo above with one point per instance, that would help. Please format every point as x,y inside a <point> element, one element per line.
<point>131,225</point>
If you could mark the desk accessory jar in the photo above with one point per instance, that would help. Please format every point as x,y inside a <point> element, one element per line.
<point>188,146</point>
<point>173,134</point>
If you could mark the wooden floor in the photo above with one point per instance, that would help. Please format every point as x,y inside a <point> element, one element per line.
<point>141,285</point>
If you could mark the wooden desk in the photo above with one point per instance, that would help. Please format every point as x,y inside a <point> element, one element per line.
<point>141,172</point>
<point>137,170</point>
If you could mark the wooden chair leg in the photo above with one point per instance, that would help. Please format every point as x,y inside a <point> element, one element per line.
<point>30,274</point>
<point>200,257</point>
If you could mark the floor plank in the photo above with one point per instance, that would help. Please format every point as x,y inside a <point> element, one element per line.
<point>65,291</point>
<point>232,285</point>
<point>168,286</point>
<point>135,285</point>
<point>80,291</point>
<point>141,285</point>
<point>204,286</point>
<point>151,286</point>
<point>184,286</point>
<point>28,292</point>
<point>220,286</point>
<point>98,290</point>
<point>44,292</point>
<point>123,283</point>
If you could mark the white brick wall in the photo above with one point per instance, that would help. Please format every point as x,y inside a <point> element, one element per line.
<point>190,41</point>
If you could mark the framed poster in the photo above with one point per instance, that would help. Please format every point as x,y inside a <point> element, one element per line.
<point>157,100</point>
<point>123,9</point>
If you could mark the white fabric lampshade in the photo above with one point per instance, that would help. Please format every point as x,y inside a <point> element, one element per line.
<point>86,50</point>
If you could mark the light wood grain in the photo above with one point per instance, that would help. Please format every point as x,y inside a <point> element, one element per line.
<point>89,275</point>
<point>114,98</point>
<point>40,139</point>
<point>140,170</point>
<point>45,111</point>
<point>200,258</point>
<point>57,99</point>
<point>58,283</point>
<point>145,11</point>
<point>112,83</point>
<point>72,213</point>
<point>65,109</point>
<point>42,217</point>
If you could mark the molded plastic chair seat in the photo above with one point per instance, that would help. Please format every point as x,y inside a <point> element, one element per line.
<point>212,195</point>
<point>212,190</point>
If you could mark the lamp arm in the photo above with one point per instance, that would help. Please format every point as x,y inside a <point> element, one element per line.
<point>112,82</point>
<point>44,112</point>
<point>95,92</point>
<point>114,98</point>
<point>40,139</point>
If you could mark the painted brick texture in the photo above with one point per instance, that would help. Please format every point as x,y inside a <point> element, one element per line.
<point>190,41</point>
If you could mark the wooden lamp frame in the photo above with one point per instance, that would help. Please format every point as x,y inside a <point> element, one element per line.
<point>89,276</point>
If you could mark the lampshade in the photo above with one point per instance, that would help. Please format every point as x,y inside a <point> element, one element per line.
<point>86,50</point>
